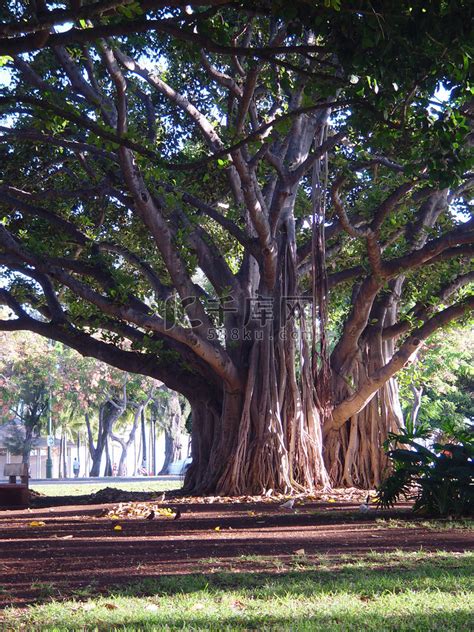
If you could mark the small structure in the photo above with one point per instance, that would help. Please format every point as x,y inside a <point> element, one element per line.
<point>14,493</point>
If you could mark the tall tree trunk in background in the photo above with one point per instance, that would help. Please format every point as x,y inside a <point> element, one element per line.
<point>109,413</point>
<point>415,407</point>
<point>108,462</point>
<point>144,461</point>
<point>153,442</point>
<point>135,455</point>
<point>173,429</point>
<point>60,460</point>
<point>64,436</point>
<point>125,444</point>
<point>27,445</point>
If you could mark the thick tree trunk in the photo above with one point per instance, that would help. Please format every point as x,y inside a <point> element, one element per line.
<point>267,438</point>
<point>354,453</point>
<point>205,429</point>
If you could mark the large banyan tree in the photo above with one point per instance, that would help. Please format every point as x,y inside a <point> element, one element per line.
<point>264,206</point>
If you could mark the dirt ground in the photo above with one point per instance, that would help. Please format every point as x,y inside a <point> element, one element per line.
<point>78,547</point>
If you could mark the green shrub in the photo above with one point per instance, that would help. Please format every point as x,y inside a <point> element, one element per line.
<point>440,479</point>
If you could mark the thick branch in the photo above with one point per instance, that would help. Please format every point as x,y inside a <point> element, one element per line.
<point>175,97</point>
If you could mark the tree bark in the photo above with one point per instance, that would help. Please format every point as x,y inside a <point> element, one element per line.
<point>354,452</point>
<point>265,438</point>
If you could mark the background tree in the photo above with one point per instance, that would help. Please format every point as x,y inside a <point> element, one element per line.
<point>86,396</point>
<point>338,181</point>
<point>139,393</point>
<point>27,377</point>
<point>443,380</point>
<point>103,396</point>
<point>170,412</point>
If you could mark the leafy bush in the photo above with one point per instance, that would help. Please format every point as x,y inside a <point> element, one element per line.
<point>441,479</point>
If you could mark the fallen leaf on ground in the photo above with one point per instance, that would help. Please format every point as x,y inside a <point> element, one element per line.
<point>137,511</point>
<point>117,527</point>
<point>110,606</point>
<point>217,529</point>
<point>37,523</point>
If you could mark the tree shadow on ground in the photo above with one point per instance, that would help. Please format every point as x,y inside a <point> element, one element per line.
<point>393,576</point>
<point>335,597</point>
<point>342,622</point>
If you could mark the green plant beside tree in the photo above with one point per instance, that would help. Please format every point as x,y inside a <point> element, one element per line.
<point>439,478</point>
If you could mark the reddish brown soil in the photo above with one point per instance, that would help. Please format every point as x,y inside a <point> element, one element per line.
<point>35,557</point>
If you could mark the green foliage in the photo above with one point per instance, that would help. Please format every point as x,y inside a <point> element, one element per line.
<point>26,375</point>
<point>441,478</point>
<point>445,372</point>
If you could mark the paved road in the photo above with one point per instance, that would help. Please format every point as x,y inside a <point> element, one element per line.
<point>103,479</point>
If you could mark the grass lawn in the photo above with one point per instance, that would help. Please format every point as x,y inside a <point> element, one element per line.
<point>400,591</point>
<point>69,489</point>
